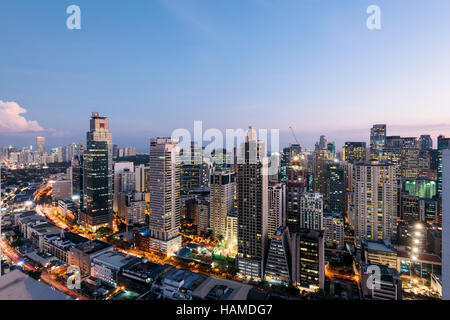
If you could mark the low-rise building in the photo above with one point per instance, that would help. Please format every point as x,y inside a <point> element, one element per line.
<point>140,276</point>
<point>82,254</point>
<point>106,266</point>
<point>384,284</point>
<point>178,284</point>
<point>59,245</point>
<point>380,253</point>
<point>221,289</point>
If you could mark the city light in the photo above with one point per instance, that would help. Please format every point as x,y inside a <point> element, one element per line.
<point>132,202</point>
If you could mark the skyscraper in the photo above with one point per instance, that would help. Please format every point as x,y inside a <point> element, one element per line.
<point>375,201</point>
<point>279,263</point>
<point>323,142</point>
<point>221,201</point>
<point>308,257</point>
<point>321,158</point>
<point>165,205</point>
<point>446,226</point>
<point>98,175</point>
<point>40,143</point>
<point>425,142</point>
<point>410,158</point>
<point>253,193</point>
<point>354,152</point>
<point>311,211</point>
<point>443,144</point>
<point>124,180</point>
<point>277,207</point>
<point>295,176</point>
<point>335,196</point>
<point>377,141</point>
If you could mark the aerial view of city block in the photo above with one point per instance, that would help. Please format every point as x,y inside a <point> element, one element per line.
<point>252,150</point>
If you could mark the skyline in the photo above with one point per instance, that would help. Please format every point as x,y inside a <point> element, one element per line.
<point>157,66</point>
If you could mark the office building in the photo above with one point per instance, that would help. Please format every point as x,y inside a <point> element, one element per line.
<point>308,258</point>
<point>335,196</point>
<point>425,142</point>
<point>40,143</point>
<point>375,201</point>
<point>98,176</point>
<point>165,204</point>
<point>311,211</point>
<point>279,263</point>
<point>203,216</point>
<point>221,201</point>
<point>295,184</point>
<point>277,207</point>
<point>124,181</point>
<point>377,141</point>
<point>320,160</point>
<point>82,254</point>
<point>354,152</point>
<point>333,225</point>
<point>446,225</point>
<point>252,192</point>
<point>131,208</point>
<point>106,266</point>
<point>387,287</point>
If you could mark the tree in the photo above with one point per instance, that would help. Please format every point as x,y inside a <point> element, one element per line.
<point>36,275</point>
<point>104,232</point>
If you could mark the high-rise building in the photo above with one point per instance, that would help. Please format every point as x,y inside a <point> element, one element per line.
<point>377,141</point>
<point>320,160</point>
<point>203,215</point>
<point>277,207</point>
<point>221,201</point>
<point>308,258</point>
<point>443,144</point>
<point>124,180</point>
<point>194,171</point>
<point>375,200</point>
<point>311,211</point>
<point>335,196</point>
<point>98,175</point>
<point>279,263</point>
<point>40,143</point>
<point>165,204</point>
<point>77,178</point>
<point>323,142</point>
<point>410,159</point>
<point>131,208</point>
<point>141,175</point>
<point>331,146</point>
<point>354,152</point>
<point>333,225</point>
<point>392,153</point>
<point>252,191</point>
<point>446,225</point>
<point>425,142</point>
<point>295,183</point>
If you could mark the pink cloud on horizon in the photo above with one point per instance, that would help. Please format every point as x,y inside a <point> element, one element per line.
<point>13,121</point>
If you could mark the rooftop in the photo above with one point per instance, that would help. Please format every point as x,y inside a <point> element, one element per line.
<point>221,289</point>
<point>116,259</point>
<point>384,246</point>
<point>16,285</point>
<point>93,246</point>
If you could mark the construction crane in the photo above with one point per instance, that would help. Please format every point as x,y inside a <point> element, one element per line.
<point>293,133</point>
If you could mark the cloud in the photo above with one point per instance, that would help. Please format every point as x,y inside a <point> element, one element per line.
<point>12,120</point>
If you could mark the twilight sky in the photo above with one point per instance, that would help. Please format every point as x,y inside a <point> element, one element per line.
<point>156,65</point>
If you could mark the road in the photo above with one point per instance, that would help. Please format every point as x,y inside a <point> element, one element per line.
<point>15,257</point>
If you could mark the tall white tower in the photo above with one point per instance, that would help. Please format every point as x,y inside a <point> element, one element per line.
<point>165,205</point>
